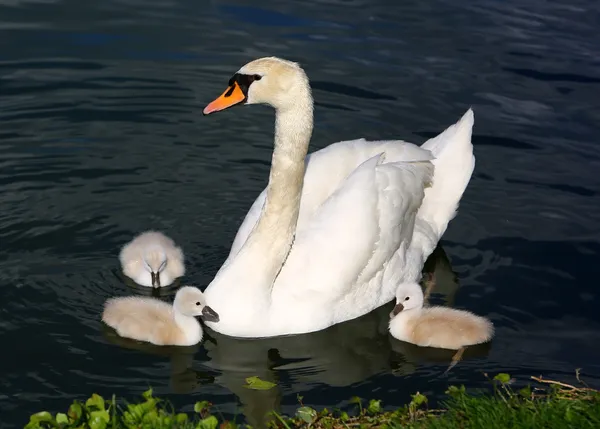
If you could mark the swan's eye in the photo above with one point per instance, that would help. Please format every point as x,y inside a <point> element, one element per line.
<point>407,298</point>
<point>198,303</point>
<point>251,78</point>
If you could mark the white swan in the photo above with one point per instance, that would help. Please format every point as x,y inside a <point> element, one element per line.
<point>441,327</point>
<point>329,239</point>
<point>152,259</point>
<point>156,322</point>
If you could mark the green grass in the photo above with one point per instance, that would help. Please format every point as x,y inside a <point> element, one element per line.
<point>549,404</point>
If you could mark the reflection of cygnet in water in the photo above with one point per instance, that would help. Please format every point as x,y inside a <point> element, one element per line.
<point>183,375</point>
<point>152,259</point>
<point>440,327</point>
<point>155,321</point>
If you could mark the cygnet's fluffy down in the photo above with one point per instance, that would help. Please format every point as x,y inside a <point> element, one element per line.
<point>440,327</point>
<point>156,322</point>
<point>152,259</point>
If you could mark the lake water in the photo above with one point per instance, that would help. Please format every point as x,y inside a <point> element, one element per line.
<point>102,136</point>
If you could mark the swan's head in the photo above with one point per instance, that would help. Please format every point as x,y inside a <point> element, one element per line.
<point>279,83</point>
<point>190,301</point>
<point>155,261</point>
<point>408,296</point>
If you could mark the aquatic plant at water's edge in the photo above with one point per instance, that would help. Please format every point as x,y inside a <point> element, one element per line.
<point>549,404</point>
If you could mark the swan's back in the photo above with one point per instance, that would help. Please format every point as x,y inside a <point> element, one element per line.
<point>144,319</point>
<point>326,169</point>
<point>449,328</point>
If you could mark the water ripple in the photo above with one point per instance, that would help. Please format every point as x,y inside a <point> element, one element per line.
<point>102,137</point>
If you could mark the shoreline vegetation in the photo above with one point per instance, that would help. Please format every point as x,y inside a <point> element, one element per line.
<point>546,404</point>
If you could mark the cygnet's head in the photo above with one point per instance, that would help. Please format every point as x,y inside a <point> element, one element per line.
<point>270,80</point>
<point>190,302</point>
<point>408,296</point>
<point>155,261</point>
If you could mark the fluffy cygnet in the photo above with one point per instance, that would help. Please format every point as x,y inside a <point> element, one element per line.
<point>439,327</point>
<point>155,321</point>
<point>152,259</point>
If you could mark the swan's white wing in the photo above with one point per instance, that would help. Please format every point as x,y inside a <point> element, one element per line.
<point>326,169</point>
<point>351,237</point>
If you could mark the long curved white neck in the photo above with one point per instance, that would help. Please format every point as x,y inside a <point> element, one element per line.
<point>188,325</point>
<point>273,236</point>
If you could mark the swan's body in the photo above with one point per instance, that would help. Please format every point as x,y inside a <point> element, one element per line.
<point>156,322</point>
<point>333,233</point>
<point>441,327</point>
<point>152,259</point>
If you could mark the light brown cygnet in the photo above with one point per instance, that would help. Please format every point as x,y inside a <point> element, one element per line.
<point>156,322</point>
<point>152,259</point>
<point>440,327</point>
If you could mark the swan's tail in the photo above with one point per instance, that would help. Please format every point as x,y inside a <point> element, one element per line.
<point>454,163</point>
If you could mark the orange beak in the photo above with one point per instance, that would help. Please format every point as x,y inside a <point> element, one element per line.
<point>232,96</point>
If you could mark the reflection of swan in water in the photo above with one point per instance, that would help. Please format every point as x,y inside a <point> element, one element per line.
<point>438,270</point>
<point>341,355</point>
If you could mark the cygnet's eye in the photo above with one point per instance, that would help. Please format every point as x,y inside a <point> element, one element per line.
<point>407,298</point>
<point>198,303</point>
<point>255,77</point>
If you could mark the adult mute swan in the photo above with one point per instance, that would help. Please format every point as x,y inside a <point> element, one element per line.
<point>334,233</point>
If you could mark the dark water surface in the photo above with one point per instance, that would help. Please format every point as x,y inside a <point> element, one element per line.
<point>102,136</point>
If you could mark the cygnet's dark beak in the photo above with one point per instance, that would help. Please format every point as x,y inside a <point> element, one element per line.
<point>155,279</point>
<point>209,315</point>
<point>397,309</point>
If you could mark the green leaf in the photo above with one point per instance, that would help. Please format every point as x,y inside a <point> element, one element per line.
<point>502,378</point>
<point>201,406</point>
<point>417,400</point>
<point>525,392</point>
<point>62,418</point>
<point>75,412</point>
<point>307,414</point>
<point>97,421</point>
<point>96,402</point>
<point>150,416</point>
<point>134,411</point>
<point>147,394</point>
<point>355,400</point>
<point>374,406</point>
<point>210,422</point>
<point>102,414</point>
<point>256,383</point>
<point>181,418</point>
<point>41,417</point>
<point>455,392</point>
<point>344,416</point>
